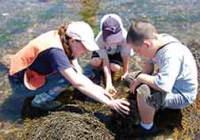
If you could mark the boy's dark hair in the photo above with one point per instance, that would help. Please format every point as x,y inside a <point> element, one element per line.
<point>139,31</point>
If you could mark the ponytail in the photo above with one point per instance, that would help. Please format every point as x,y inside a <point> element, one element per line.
<point>65,41</point>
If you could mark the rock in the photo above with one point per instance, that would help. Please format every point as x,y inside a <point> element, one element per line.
<point>5,60</point>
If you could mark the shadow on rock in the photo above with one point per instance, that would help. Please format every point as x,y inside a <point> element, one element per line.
<point>166,120</point>
<point>31,112</point>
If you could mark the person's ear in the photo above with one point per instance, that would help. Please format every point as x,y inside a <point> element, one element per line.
<point>147,42</point>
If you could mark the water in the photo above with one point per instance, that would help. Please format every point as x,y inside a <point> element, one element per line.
<point>22,20</point>
<point>177,17</point>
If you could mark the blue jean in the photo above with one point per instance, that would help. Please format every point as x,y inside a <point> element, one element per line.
<point>52,81</point>
<point>12,106</point>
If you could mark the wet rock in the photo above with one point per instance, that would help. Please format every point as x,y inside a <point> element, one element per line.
<point>194,46</point>
<point>5,60</point>
<point>190,124</point>
<point>31,112</point>
<point>124,124</point>
<point>1,137</point>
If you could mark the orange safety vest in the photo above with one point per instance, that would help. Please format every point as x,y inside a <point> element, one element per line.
<point>26,56</point>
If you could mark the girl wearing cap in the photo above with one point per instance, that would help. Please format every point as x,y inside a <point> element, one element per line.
<point>114,54</point>
<point>56,52</point>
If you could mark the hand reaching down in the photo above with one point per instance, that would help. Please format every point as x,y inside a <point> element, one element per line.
<point>120,105</point>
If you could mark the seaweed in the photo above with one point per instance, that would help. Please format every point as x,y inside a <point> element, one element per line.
<point>89,11</point>
<point>67,126</point>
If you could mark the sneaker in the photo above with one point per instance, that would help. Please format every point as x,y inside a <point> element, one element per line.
<point>139,131</point>
<point>46,106</point>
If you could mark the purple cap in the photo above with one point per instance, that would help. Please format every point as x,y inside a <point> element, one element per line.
<point>111,30</point>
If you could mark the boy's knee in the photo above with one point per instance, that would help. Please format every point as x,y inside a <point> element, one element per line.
<point>114,67</point>
<point>143,91</point>
<point>155,100</point>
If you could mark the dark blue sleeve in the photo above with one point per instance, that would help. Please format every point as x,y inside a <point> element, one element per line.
<point>59,60</point>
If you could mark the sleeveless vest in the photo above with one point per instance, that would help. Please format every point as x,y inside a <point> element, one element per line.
<point>26,56</point>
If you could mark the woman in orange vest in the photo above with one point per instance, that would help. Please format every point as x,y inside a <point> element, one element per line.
<point>56,51</point>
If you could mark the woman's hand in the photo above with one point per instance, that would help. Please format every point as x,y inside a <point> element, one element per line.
<point>120,105</point>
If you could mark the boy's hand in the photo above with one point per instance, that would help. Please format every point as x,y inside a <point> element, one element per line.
<point>111,89</point>
<point>124,76</point>
<point>133,86</point>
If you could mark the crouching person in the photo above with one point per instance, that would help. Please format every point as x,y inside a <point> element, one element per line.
<point>114,54</point>
<point>56,51</point>
<point>173,86</point>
